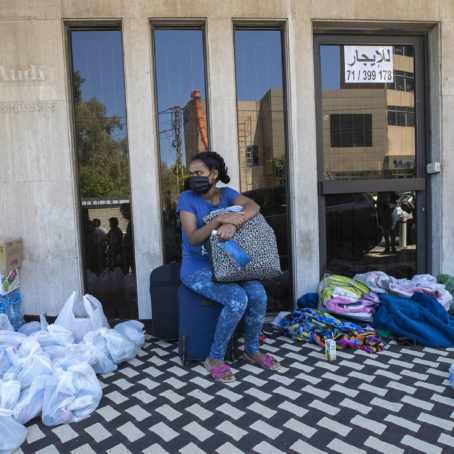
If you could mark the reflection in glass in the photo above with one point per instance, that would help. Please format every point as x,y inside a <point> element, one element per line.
<point>371,231</point>
<point>368,128</point>
<point>103,169</point>
<point>262,141</point>
<point>182,119</point>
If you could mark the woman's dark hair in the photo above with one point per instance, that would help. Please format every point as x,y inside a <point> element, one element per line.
<point>213,161</point>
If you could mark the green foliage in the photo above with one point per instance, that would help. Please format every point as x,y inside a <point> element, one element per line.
<point>279,166</point>
<point>93,183</point>
<point>172,178</point>
<point>103,160</point>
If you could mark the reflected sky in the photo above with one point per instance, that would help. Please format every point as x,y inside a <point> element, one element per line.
<point>331,69</point>
<point>258,57</point>
<point>180,66</point>
<point>180,69</point>
<point>98,56</point>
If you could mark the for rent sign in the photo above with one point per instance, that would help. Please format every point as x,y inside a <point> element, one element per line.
<point>368,64</point>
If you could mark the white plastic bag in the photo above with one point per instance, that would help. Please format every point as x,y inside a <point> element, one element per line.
<point>30,401</point>
<point>71,395</point>
<point>28,362</point>
<point>30,328</point>
<point>119,347</point>
<point>81,315</point>
<point>5,363</point>
<point>9,393</point>
<point>97,352</point>
<point>11,339</point>
<point>55,351</point>
<point>12,434</point>
<point>53,335</point>
<point>5,324</point>
<point>132,330</point>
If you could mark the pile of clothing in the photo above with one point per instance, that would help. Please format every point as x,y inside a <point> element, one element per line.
<point>314,325</point>
<point>415,309</point>
<point>344,296</point>
<point>380,282</point>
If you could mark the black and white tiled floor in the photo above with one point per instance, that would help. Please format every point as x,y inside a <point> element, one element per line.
<point>397,401</point>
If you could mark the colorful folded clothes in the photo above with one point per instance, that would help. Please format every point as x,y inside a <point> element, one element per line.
<point>377,281</point>
<point>315,325</point>
<point>343,296</point>
<point>380,282</point>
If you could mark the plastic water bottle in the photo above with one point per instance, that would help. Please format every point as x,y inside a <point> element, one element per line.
<point>2,304</point>
<point>19,313</point>
<point>16,309</point>
<point>10,310</point>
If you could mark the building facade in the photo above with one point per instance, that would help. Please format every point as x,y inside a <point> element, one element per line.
<point>109,121</point>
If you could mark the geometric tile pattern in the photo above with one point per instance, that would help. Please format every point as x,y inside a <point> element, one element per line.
<point>396,401</point>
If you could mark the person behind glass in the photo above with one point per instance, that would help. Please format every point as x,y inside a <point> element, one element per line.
<point>114,241</point>
<point>245,297</point>
<point>100,242</point>
<point>386,203</point>
<point>128,247</point>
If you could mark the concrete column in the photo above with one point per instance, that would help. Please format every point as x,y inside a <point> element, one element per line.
<point>302,153</point>
<point>143,154</point>
<point>222,93</point>
<point>434,248</point>
<point>37,180</point>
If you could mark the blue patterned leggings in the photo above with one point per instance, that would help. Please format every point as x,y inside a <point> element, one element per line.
<point>247,297</point>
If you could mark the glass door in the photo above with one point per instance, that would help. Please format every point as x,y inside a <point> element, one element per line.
<point>371,154</point>
<point>262,142</point>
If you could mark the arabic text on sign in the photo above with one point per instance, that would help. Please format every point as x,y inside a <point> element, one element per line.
<point>368,64</point>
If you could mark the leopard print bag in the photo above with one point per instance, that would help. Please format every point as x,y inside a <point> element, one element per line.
<point>256,237</point>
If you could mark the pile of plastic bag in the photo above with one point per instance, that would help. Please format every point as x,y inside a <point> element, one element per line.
<point>51,369</point>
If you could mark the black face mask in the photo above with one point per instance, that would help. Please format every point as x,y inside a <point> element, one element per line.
<point>199,184</point>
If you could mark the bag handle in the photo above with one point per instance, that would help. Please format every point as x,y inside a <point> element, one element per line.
<point>89,308</point>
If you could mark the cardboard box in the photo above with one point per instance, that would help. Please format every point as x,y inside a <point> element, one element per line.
<point>9,282</point>
<point>10,253</point>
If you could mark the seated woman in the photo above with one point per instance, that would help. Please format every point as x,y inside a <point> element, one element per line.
<point>246,297</point>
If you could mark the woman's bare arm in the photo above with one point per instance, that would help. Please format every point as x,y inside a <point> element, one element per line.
<point>250,208</point>
<point>197,236</point>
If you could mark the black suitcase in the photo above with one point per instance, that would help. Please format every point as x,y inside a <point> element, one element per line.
<point>197,322</point>
<point>164,282</point>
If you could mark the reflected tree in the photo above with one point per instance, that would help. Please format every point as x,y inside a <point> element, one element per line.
<point>103,160</point>
<point>279,166</point>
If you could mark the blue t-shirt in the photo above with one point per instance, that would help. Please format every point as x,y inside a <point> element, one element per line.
<point>196,257</point>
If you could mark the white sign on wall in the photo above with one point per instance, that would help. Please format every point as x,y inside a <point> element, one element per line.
<point>368,64</point>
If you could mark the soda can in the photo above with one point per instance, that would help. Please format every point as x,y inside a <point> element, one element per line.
<point>330,349</point>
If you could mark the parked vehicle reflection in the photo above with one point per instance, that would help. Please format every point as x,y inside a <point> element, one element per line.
<point>355,240</point>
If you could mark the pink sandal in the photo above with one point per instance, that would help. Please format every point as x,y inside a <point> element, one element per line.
<point>218,372</point>
<point>265,362</point>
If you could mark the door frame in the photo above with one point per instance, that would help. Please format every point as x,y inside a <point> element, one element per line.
<point>419,183</point>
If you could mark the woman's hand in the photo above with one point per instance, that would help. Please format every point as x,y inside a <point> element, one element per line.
<point>225,232</point>
<point>236,219</point>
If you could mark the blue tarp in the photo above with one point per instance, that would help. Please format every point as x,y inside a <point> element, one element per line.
<point>421,318</point>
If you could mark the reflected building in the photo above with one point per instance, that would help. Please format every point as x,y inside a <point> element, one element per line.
<point>261,138</point>
<point>194,122</point>
<point>369,129</point>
